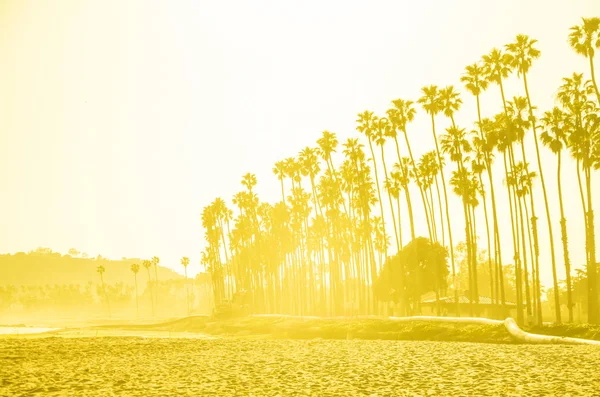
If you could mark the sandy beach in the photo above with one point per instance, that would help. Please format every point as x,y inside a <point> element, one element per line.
<point>134,366</point>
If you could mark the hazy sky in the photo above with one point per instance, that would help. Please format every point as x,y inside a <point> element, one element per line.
<point>120,120</point>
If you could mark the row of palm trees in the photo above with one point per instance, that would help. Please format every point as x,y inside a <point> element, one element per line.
<point>320,249</point>
<point>152,284</point>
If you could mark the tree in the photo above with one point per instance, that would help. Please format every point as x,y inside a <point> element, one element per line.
<point>424,263</point>
<point>400,115</point>
<point>185,261</point>
<point>432,104</point>
<point>279,171</point>
<point>573,95</point>
<point>381,128</point>
<point>585,39</point>
<point>555,138</point>
<point>73,252</point>
<point>155,261</point>
<point>147,264</point>
<point>100,269</point>
<point>366,121</point>
<point>135,268</point>
<point>523,53</point>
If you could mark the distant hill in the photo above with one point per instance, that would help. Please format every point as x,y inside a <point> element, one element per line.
<point>46,267</point>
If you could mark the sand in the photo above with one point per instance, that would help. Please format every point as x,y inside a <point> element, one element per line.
<point>131,366</point>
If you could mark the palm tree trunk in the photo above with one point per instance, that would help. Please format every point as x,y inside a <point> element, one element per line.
<point>473,224</point>
<point>432,214</point>
<point>524,256</point>
<point>412,160</point>
<point>515,245</point>
<point>497,249</point>
<point>489,245</point>
<point>591,268</point>
<point>137,304</point>
<point>407,194</point>
<point>437,189</point>
<point>385,173</point>
<point>105,295</point>
<point>591,58</point>
<point>494,293</point>
<point>548,219</point>
<point>187,291</point>
<point>440,164</point>
<point>156,294</point>
<point>378,192</point>
<point>149,286</point>
<point>565,243</point>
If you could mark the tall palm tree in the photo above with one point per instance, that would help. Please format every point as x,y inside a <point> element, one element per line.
<point>475,82</point>
<point>147,264</point>
<point>135,268</point>
<point>400,115</point>
<point>381,128</point>
<point>100,269</point>
<point>185,261</point>
<point>155,261</point>
<point>279,171</point>
<point>366,121</point>
<point>555,138</point>
<point>574,95</point>
<point>523,53</point>
<point>456,144</point>
<point>432,104</point>
<point>585,39</point>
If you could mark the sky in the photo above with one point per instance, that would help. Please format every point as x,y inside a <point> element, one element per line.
<point>120,121</point>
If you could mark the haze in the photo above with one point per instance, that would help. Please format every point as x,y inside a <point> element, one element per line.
<point>121,120</point>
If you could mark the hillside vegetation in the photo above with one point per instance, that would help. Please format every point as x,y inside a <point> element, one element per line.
<point>42,266</point>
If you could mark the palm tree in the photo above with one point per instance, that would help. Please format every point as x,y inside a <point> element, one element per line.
<point>366,121</point>
<point>381,127</point>
<point>523,54</point>
<point>100,269</point>
<point>309,163</point>
<point>574,95</point>
<point>155,260</point>
<point>135,268</point>
<point>279,171</point>
<point>449,102</point>
<point>585,39</point>
<point>475,82</point>
<point>432,104</point>
<point>147,264</point>
<point>185,261</point>
<point>456,144</point>
<point>496,68</point>
<point>555,138</point>
<point>400,115</point>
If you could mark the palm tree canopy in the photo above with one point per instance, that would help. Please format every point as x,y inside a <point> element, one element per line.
<point>100,269</point>
<point>135,268</point>
<point>585,38</point>
<point>554,135</point>
<point>449,100</point>
<point>365,123</point>
<point>497,65</point>
<point>185,261</point>
<point>402,113</point>
<point>327,144</point>
<point>431,100</point>
<point>279,170</point>
<point>474,79</point>
<point>455,143</point>
<point>523,53</point>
